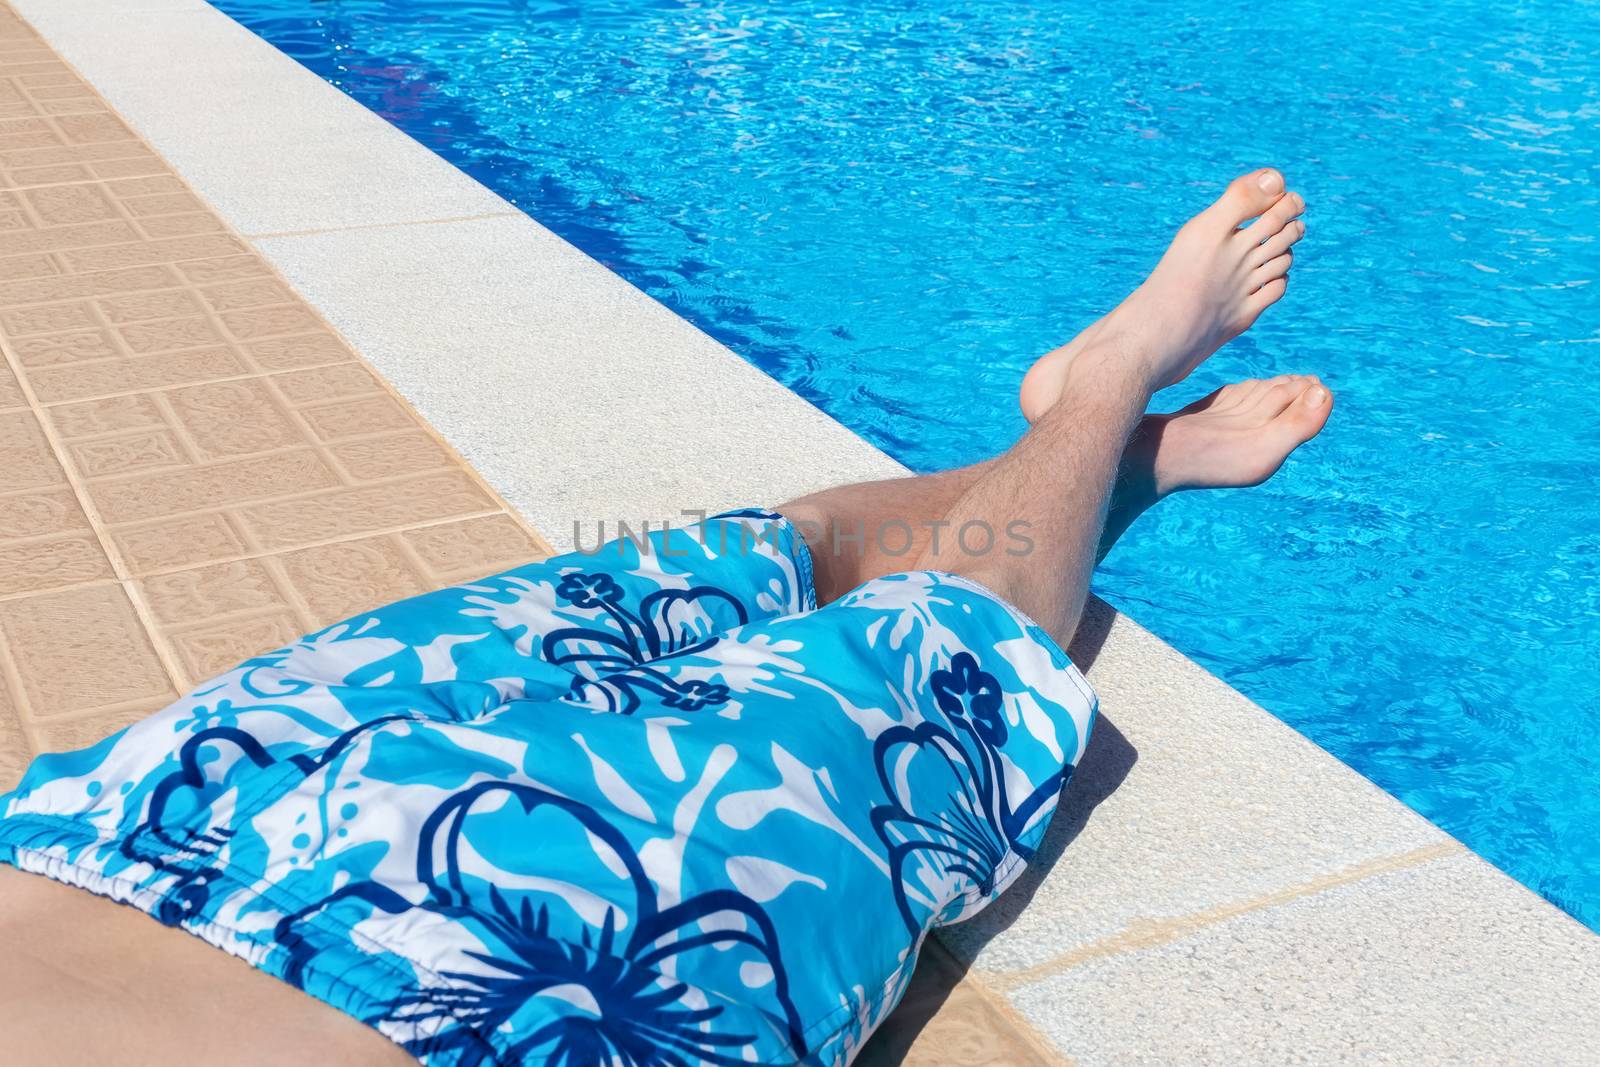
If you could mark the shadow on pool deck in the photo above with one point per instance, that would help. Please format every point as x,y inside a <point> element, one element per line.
<point>1102,770</point>
<point>936,1024</point>
<point>947,1016</point>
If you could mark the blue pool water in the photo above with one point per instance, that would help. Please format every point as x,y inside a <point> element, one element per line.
<point>893,207</point>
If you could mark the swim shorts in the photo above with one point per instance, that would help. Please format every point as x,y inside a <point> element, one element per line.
<point>643,805</point>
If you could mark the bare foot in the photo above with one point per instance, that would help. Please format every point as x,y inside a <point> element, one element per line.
<point>1238,436</point>
<point>1218,275</point>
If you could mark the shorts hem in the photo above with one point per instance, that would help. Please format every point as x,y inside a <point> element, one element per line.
<point>1058,655</point>
<point>19,843</point>
<point>20,837</point>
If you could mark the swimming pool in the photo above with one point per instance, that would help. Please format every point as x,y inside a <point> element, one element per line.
<point>894,207</point>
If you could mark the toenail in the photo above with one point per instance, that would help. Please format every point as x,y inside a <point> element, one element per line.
<point>1270,181</point>
<point>1318,396</point>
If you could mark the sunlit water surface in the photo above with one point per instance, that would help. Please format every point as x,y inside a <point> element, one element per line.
<point>893,207</point>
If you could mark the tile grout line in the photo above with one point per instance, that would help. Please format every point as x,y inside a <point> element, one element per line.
<point>272,563</point>
<point>248,376</point>
<point>11,680</point>
<point>412,557</point>
<point>125,478</point>
<point>163,404</point>
<point>231,615</point>
<point>173,425</point>
<point>1150,934</point>
<point>100,710</point>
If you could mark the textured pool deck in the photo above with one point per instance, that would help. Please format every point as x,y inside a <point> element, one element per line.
<point>194,466</point>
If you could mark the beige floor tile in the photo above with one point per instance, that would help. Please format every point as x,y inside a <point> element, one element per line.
<point>210,648</point>
<point>339,580</point>
<point>217,485</point>
<point>345,513</point>
<point>171,416</point>
<point>29,462</point>
<point>10,392</point>
<point>80,649</point>
<point>226,419</point>
<point>50,563</point>
<point>183,541</point>
<point>949,1019</point>
<point>65,735</point>
<point>40,513</point>
<point>460,551</point>
<point>15,750</point>
<point>108,375</point>
<point>203,593</point>
<point>390,456</point>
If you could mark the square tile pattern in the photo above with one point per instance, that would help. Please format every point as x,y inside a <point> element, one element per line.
<point>194,468</point>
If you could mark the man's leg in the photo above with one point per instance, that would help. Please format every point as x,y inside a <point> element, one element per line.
<point>1056,484</point>
<point>1237,436</point>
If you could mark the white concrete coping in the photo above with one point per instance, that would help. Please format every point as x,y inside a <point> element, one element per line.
<point>1231,893</point>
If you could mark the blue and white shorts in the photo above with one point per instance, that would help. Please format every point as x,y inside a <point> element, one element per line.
<point>646,806</point>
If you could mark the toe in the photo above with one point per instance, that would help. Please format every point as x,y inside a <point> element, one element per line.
<point>1244,397</point>
<point>1272,269</point>
<point>1274,220</point>
<point>1235,395</point>
<point>1254,387</point>
<point>1266,296</point>
<point>1248,196</point>
<point>1279,395</point>
<point>1260,386</point>
<point>1303,419</point>
<point>1277,244</point>
<point>1258,301</point>
<point>1299,421</point>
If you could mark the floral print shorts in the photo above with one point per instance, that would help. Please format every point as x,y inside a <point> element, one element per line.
<point>643,806</point>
